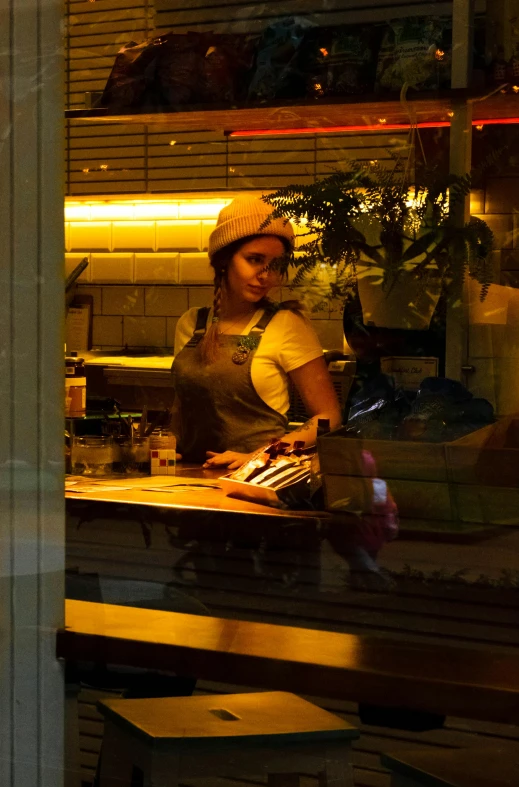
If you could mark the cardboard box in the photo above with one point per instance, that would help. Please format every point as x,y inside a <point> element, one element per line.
<point>472,479</point>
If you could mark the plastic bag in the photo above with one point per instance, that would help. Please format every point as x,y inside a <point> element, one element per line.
<point>444,410</point>
<point>202,68</point>
<point>227,67</point>
<point>416,51</point>
<point>346,60</point>
<point>132,74</point>
<point>377,408</point>
<point>283,60</point>
<point>180,67</point>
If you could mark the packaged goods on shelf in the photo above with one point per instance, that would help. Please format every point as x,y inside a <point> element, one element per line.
<point>346,60</point>
<point>415,51</point>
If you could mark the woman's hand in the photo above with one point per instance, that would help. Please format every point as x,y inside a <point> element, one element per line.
<point>230,459</point>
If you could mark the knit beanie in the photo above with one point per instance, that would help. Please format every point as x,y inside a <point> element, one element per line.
<point>243,217</point>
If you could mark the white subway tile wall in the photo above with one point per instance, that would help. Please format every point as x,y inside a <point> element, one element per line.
<point>179,235</point>
<point>72,261</point>
<point>156,268</point>
<point>123,300</point>
<point>144,331</point>
<point>97,296</point>
<point>165,301</point>
<point>90,236</point>
<point>160,243</point>
<point>195,269</point>
<point>198,209</point>
<point>207,228</point>
<point>502,225</point>
<point>133,236</point>
<point>200,296</point>
<point>112,268</point>
<point>107,331</point>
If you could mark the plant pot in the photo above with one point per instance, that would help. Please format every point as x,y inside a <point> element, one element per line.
<point>407,303</point>
<point>408,300</point>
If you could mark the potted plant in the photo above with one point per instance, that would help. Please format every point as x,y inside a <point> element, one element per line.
<point>391,236</point>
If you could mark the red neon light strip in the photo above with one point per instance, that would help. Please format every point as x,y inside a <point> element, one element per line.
<point>375,127</point>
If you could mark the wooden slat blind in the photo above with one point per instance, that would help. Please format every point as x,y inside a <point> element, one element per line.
<point>111,159</point>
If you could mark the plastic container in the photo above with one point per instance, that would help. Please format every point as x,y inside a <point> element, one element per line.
<point>75,386</point>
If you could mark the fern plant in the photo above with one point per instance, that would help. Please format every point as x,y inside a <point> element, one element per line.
<point>372,221</point>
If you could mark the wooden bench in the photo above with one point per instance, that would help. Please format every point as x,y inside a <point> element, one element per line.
<point>482,767</point>
<point>435,679</point>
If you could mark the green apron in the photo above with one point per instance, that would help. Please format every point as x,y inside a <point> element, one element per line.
<point>216,405</point>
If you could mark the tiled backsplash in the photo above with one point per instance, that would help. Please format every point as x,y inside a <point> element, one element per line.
<point>140,316</point>
<point>163,244</point>
<point>136,242</point>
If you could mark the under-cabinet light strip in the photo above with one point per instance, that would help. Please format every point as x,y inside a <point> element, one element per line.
<point>375,127</point>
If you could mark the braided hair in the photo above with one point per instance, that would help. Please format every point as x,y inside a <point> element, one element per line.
<point>220,262</point>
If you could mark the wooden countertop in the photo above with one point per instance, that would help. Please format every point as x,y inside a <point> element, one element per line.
<point>197,489</point>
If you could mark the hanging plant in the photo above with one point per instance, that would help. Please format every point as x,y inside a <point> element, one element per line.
<point>390,235</point>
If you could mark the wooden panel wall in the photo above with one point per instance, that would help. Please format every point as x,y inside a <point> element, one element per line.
<point>114,159</point>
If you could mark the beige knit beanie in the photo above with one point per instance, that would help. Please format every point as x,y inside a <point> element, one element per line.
<point>244,216</point>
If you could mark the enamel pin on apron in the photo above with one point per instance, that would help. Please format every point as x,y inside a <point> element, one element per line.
<point>244,348</point>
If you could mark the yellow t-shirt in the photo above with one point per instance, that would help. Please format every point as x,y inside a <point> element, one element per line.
<point>288,342</point>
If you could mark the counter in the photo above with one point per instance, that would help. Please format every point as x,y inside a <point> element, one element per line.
<point>133,361</point>
<point>132,379</point>
<point>187,550</point>
<point>193,488</point>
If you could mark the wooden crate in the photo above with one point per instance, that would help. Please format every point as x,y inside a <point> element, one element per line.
<point>473,479</point>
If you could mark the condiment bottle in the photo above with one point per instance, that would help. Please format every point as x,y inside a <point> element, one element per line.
<point>75,386</point>
<point>323,426</point>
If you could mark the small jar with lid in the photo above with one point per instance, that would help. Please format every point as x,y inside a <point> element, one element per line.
<point>75,386</point>
<point>163,440</point>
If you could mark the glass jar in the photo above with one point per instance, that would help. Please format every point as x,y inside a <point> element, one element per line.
<point>92,456</point>
<point>135,456</point>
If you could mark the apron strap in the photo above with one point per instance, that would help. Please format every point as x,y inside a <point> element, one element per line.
<point>265,318</point>
<point>203,313</point>
<point>200,327</point>
<point>270,310</point>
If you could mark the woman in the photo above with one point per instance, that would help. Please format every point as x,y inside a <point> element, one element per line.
<point>232,362</point>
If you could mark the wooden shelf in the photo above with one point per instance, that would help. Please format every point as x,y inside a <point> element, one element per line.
<point>431,109</point>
